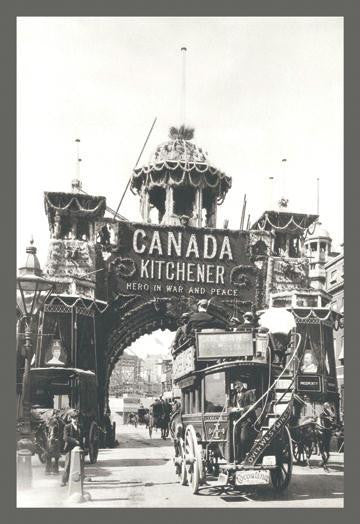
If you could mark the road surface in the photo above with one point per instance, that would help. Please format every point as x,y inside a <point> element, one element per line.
<point>140,473</point>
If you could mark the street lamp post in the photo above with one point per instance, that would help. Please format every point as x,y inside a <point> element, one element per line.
<point>31,294</point>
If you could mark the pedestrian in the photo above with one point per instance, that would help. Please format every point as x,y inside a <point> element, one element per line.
<point>72,438</point>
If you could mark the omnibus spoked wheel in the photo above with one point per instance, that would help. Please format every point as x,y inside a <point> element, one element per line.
<point>301,452</point>
<point>192,463</point>
<point>281,476</point>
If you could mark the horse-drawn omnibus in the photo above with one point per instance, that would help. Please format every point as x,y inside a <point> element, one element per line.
<point>55,391</point>
<point>237,399</point>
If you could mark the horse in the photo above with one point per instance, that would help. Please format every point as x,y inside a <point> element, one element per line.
<point>304,438</point>
<point>53,433</point>
<point>315,432</point>
<point>325,426</point>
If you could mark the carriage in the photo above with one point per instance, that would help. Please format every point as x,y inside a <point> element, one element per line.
<point>158,418</point>
<point>237,436</point>
<point>312,428</point>
<point>142,414</point>
<point>55,391</point>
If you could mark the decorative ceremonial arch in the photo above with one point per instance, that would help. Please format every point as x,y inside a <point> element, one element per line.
<point>242,285</point>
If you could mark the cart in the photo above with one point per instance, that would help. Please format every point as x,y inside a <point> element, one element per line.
<point>61,389</point>
<point>236,404</point>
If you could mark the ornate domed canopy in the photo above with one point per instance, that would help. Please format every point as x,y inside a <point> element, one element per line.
<point>317,231</point>
<point>179,162</point>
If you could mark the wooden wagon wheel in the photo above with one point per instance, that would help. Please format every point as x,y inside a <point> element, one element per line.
<point>298,452</point>
<point>281,476</point>
<point>302,452</point>
<point>192,462</point>
<point>93,442</point>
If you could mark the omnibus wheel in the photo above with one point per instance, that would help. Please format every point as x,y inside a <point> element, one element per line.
<point>281,476</point>
<point>93,442</point>
<point>193,460</point>
<point>182,468</point>
<point>299,453</point>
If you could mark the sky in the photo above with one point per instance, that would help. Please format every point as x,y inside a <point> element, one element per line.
<point>258,90</point>
<point>157,343</point>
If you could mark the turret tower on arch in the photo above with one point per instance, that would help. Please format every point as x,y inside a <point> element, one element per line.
<point>179,185</point>
<point>317,246</point>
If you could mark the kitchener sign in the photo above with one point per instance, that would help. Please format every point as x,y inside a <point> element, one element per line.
<point>186,261</point>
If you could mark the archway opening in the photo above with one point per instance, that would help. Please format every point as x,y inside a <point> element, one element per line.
<point>142,373</point>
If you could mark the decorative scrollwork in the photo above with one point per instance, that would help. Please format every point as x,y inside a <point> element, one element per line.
<point>239,276</point>
<point>123,267</point>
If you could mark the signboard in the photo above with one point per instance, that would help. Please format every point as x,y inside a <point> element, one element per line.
<point>308,383</point>
<point>252,477</point>
<point>211,346</point>
<point>183,261</point>
<point>184,363</point>
<point>216,427</point>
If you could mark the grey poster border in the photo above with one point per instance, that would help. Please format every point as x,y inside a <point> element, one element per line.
<point>350,10</point>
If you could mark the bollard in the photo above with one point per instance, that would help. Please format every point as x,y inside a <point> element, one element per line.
<point>24,469</point>
<point>76,477</point>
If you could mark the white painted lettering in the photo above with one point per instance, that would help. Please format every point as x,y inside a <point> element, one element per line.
<point>172,242</point>
<point>170,267</point>
<point>180,270</point>
<point>160,264</point>
<point>143,269</point>
<point>220,274</point>
<point>137,233</point>
<point>226,249</point>
<point>190,272</point>
<point>200,273</point>
<point>192,247</point>
<point>209,240</point>
<point>209,274</point>
<point>155,244</point>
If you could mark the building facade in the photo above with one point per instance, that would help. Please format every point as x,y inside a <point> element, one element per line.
<point>335,287</point>
<point>166,375</point>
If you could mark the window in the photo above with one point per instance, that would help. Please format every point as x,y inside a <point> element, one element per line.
<point>184,200</point>
<point>306,301</point>
<point>333,276</point>
<point>157,197</point>
<point>282,302</point>
<point>214,392</point>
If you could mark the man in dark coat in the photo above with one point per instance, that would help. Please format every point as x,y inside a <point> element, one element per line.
<point>180,335</point>
<point>202,319</point>
<point>245,432</point>
<point>71,439</point>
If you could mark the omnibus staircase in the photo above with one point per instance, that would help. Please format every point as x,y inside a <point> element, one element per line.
<point>279,412</point>
<point>275,420</point>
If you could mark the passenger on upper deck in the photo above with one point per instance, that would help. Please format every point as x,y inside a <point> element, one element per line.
<point>180,335</point>
<point>203,320</point>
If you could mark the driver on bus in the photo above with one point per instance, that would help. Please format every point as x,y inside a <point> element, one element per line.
<point>242,397</point>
